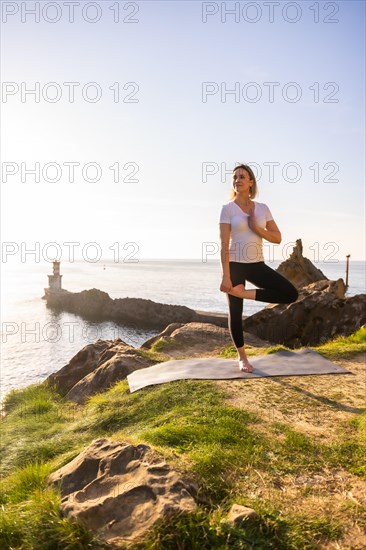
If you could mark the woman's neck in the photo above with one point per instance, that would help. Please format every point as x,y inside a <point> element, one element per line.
<point>244,201</point>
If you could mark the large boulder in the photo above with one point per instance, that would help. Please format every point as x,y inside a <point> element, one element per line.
<point>299,270</point>
<point>96,368</point>
<point>119,490</point>
<point>196,339</point>
<point>112,370</point>
<point>321,312</point>
<point>83,363</point>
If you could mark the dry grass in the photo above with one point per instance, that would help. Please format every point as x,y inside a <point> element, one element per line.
<point>324,407</point>
<point>324,403</point>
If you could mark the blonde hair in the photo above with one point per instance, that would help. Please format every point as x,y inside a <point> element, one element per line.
<point>254,188</point>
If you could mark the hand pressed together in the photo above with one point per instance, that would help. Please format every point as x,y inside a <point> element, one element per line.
<point>252,222</point>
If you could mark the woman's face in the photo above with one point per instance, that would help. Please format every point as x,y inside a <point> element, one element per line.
<point>241,180</point>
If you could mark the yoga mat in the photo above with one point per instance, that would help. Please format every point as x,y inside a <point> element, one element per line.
<point>282,363</point>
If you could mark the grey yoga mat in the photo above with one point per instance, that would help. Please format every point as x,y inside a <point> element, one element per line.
<point>282,363</point>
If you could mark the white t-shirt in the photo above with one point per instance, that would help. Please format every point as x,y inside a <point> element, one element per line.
<point>245,246</point>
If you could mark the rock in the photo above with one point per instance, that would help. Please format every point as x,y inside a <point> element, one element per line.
<point>195,339</point>
<point>120,490</point>
<point>83,363</point>
<point>166,332</point>
<point>238,514</point>
<point>105,375</point>
<point>98,306</point>
<point>318,314</point>
<point>299,270</point>
<point>338,287</point>
<point>96,368</point>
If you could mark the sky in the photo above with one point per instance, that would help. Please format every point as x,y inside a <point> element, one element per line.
<point>134,159</point>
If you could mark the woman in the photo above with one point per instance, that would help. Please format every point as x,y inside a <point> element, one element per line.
<point>243,225</point>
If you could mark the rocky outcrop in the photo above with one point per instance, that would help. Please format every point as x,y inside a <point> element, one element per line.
<point>97,305</point>
<point>119,490</point>
<point>108,373</point>
<point>299,270</point>
<point>320,313</point>
<point>96,368</point>
<point>83,363</point>
<point>196,339</point>
<point>336,288</point>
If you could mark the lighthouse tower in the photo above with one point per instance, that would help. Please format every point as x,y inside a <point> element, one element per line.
<point>54,281</point>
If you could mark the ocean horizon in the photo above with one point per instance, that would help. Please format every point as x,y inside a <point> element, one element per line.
<point>37,341</point>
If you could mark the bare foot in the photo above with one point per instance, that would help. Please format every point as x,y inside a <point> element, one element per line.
<point>245,366</point>
<point>238,291</point>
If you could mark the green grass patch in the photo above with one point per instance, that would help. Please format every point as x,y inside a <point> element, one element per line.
<point>360,424</point>
<point>350,450</point>
<point>35,399</point>
<point>153,355</point>
<point>25,481</point>
<point>203,530</point>
<point>35,428</point>
<point>344,346</point>
<point>163,344</point>
<point>38,524</point>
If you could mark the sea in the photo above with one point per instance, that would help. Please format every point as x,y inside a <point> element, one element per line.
<point>35,341</point>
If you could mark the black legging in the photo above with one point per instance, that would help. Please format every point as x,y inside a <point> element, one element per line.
<point>273,288</point>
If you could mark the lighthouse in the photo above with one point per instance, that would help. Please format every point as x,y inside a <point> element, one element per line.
<point>54,281</point>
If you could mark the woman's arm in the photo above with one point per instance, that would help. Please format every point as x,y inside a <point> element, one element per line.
<point>225,229</point>
<point>271,233</point>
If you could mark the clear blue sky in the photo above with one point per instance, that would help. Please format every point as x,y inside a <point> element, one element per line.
<point>170,132</point>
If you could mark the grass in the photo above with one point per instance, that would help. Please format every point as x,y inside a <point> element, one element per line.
<point>153,354</point>
<point>163,344</point>
<point>25,481</point>
<point>34,399</point>
<point>343,347</point>
<point>35,428</point>
<point>206,531</point>
<point>235,455</point>
<point>37,524</point>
